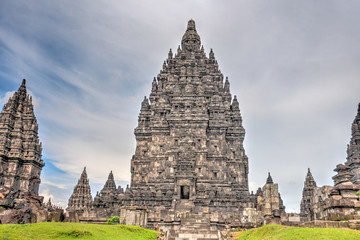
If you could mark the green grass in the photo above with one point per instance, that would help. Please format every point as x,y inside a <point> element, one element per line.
<point>44,231</point>
<point>279,232</point>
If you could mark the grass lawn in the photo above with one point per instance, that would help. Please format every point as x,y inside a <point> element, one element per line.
<point>294,233</point>
<point>44,231</point>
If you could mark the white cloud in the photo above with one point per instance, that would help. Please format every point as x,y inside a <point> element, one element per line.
<point>6,97</point>
<point>57,185</point>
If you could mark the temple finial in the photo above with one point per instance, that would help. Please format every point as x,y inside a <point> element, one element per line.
<point>83,174</point>
<point>269,179</point>
<point>191,25</point>
<point>211,54</point>
<point>235,103</point>
<point>227,85</point>
<point>191,40</point>
<point>22,88</point>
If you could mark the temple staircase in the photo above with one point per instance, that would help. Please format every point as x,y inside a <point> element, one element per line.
<point>193,226</point>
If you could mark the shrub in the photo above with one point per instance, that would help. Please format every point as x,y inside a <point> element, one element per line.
<point>113,220</point>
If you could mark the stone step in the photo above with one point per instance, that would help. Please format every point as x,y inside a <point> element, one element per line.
<point>202,231</point>
<point>193,222</point>
<point>197,236</point>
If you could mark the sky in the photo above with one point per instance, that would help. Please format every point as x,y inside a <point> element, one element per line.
<point>293,65</point>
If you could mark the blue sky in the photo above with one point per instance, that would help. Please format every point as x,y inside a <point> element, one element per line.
<point>294,66</point>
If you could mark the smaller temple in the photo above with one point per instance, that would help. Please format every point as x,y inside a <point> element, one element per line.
<point>270,203</point>
<point>312,204</point>
<point>109,200</point>
<point>306,206</point>
<point>81,199</point>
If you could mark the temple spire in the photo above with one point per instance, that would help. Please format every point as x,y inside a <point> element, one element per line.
<point>357,117</point>
<point>84,174</point>
<point>353,151</point>
<point>306,204</point>
<point>22,88</point>
<point>309,180</point>
<point>227,85</point>
<point>211,54</point>
<point>145,104</point>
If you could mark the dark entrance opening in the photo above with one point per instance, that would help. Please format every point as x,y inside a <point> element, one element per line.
<point>184,192</point>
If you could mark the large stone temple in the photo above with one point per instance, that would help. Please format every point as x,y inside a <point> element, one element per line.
<point>21,164</point>
<point>189,169</point>
<point>189,155</point>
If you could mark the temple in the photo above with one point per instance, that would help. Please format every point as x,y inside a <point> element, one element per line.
<point>307,201</point>
<point>343,202</point>
<point>20,149</point>
<point>189,162</point>
<point>21,164</point>
<point>81,198</point>
<point>339,203</point>
<point>189,154</point>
